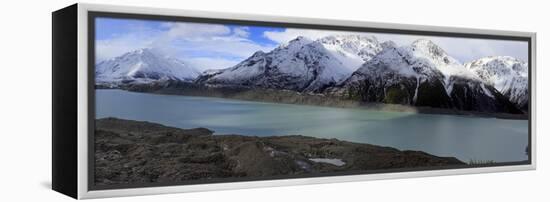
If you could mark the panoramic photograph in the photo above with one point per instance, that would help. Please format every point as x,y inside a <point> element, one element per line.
<point>186,102</point>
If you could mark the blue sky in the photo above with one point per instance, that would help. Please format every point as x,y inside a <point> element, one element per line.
<point>215,46</point>
<point>108,28</point>
<point>206,46</point>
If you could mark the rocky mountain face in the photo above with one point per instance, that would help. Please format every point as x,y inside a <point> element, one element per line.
<point>142,66</point>
<point>507,74</point>
<point>421,74</point>
<point>301,65</point>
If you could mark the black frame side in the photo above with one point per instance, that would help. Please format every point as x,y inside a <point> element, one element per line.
<point>64,101</point>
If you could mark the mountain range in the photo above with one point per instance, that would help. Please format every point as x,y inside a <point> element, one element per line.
<point>142,66</point>
<point>354,67</point>
<point>301,65</point>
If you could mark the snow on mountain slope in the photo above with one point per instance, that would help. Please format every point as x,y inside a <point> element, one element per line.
<point>421,74</point>
<point>301,64</point>
<point>351,50</point>
<point>422,59</point>
<point>144,65</point>
<point>449,66</point>
<point>397,68</point>
<point>507,74</point>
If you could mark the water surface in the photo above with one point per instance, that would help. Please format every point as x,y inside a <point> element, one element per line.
<point>464,137</point>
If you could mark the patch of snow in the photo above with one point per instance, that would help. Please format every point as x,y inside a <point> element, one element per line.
<point>487,92</point>
<point>336,162</point>
<point>416,89</point>
<point>351,50</point>
<point>303,165</point>
<point>272,152</point>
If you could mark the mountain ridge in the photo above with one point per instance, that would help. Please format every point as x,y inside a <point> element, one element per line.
<point>361,68</point>
<point>421,74</point>
<point>507,74</point>
<point>143,65</point>
<point>302,64</point>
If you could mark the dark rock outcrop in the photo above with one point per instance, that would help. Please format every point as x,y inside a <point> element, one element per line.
<point>129,152</point>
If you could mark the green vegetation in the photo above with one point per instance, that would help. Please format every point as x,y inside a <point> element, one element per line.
<point>396,95</point>
<point>354,93</point>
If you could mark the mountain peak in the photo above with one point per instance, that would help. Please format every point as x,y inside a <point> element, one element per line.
<point>388,44</point>
<point>424,43</point>
<point>143,65</point>
<point>300,39</point>
<point>502,59</point>
<point>507,74</point>
<point>258,54</point>
<point>343,38</point>
<point>355,46</point>
<point>428,46</point>
<point>501,64</point>
<point>143,51</point>
<point>295,43</point>
<point>350,41</point>
<point>429,49</point>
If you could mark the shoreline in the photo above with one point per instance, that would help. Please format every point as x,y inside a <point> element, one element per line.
<point>128,151</point>
<point>292,97</point>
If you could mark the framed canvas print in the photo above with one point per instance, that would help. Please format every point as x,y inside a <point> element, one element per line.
<point>149,101</point>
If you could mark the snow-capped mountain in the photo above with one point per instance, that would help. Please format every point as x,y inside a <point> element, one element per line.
<point>351,67</point>
<point>353,50</point>
<point>421,74</point>
<point>507,74</point>
<point>142,66</point>
<point>302,64</point>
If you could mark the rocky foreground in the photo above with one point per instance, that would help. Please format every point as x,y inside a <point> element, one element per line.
<point>129,152</point>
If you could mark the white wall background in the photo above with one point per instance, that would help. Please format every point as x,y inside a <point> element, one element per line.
<point>25,99</point>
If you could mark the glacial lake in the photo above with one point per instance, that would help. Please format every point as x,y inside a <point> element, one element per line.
<point>464,137</point>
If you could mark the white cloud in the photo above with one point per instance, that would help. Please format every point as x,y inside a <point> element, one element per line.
<point>207,63</point>
<point>212,46</point>
<point>189,41</point>
<point>221,47</point>
<point>194,31</point>
<point>138,36</point>
<point>109,48</point>
<point>241,32</point>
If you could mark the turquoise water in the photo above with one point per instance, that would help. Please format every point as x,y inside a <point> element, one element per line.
<point>467,138</point>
